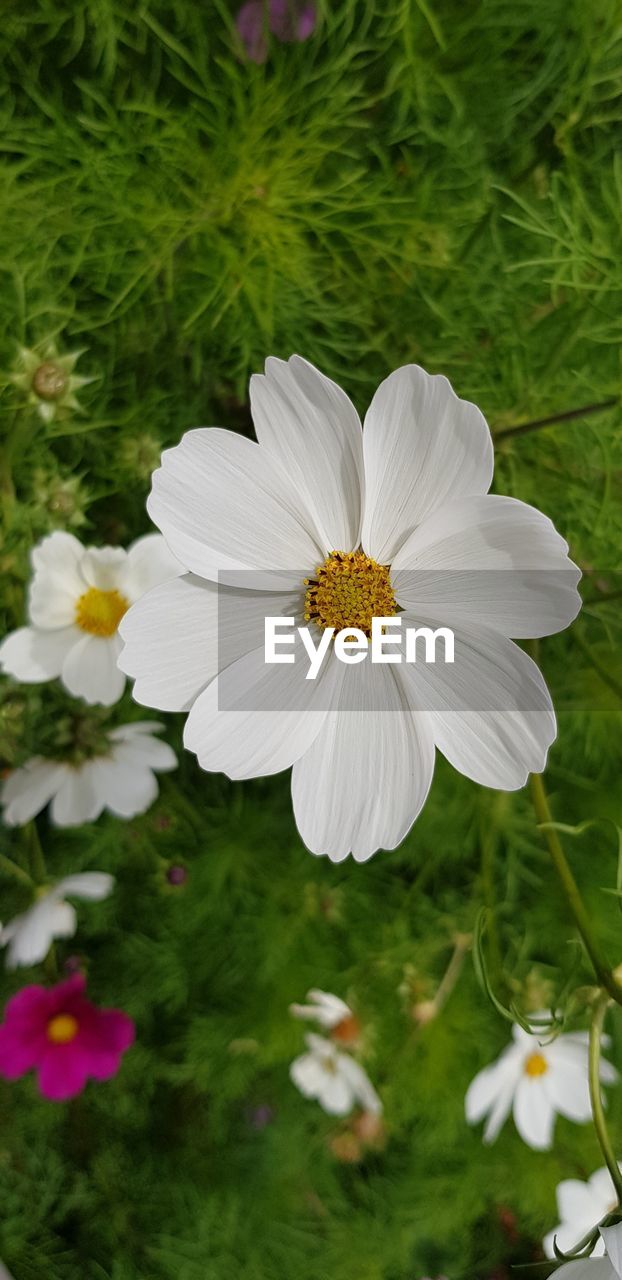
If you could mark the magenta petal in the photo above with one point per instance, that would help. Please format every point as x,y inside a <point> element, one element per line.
<point>251,27</point>
<point>20,1050</point>
<point>29,1007</point>
<point>292,21</point>
<point>63,1071</point>
<point>65,995</point>
<point>117,1030</point>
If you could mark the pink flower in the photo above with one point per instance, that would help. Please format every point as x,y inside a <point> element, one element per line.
<point>288,20</point>
<point>58,1032</point>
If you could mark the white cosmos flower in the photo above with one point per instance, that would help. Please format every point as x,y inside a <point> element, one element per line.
<point>29,936</point>
<point>535,1081</point>
<point>326,1009</point>
<point>121,780</point>
<point>333,1078</point>
<point>607,1266</point>
<point>581,1206</point>
<point>393,518</point>
<point>76,599</point>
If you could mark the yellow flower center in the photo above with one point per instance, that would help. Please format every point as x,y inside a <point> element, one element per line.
<point>100,612</point>
<point>63,1028</point>
<point>348,590</point>
<point>49,381</point>
<point>536,1065</point>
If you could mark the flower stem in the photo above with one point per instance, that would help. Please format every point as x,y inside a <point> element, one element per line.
<point>37,861</point>
<point>602,1133</point>
<point>581,918</point>
<point>566,416</point>
<point>14,870</point>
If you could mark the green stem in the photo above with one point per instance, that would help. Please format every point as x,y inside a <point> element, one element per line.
<point>581,918</point>
<point>37,861</point>
<point>566,416</point>
<point>12,869</point>
<point>602,1133</point>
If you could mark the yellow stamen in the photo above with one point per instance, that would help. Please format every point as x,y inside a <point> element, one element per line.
<point>348,590</point>
<point>536,1065</point>
<point>63,1028</point>
<point>100,612</point>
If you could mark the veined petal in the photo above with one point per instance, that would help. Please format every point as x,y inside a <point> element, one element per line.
<point>489,560</point>
<point>224,505</point>
<point>102,567</point>
<point>27,790</point>
<point>77,799</point>
<point>490,711</point>
<point>361,784</point>
<point>32,656</point>
<point>308,424</point>
<point>90,670</point>
<point>126,790</point>
<point>612,1237</point>
<point>57,580</point>
<point>256,719</point>
<point>423,446</point>
<point>148,563</point>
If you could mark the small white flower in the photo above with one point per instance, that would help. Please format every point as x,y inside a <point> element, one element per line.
<point>30,935</point>
<point>581,1206</point>
<point>333,1078</point>
<point>326,1009</point>
<point>76,600</point>
<point>121,780</point>
<point>607,1266</point>
<point>536,1082</point>
<point>322,520</point>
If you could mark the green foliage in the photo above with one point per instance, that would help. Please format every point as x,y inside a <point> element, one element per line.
<point>418,181</point>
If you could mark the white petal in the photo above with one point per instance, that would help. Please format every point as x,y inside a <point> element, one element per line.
<point>77,800</point>
<point>34,931</point>
<point>486,1086</point>
<point>125,790</point>
<point>491,560</point>
<point>307,1074</point>
<point>586,1269</point>
<point>568,1235</point>
<point>93,886</point>
<point>423,446</point>
<point>361,784</point>
<point>103,567</point>
<point>568,1088</point>
<point>575,1202</point>
<point>143,750</point>
<point>336,1096</point>
<point>612,1237</point>
<point>360,1084</point>
<point>27,790</point>
<point>57,581</point>
<point>490,711</point>
<point>148,563</point>
<point>224,505</point>
<point>534,1115</point>
<point>90,670</point>
<point>500,1111</point>
<point>31,656</point>
<point>256,718</point>
<point>308,424</point>
<point>328,1010</point>
<point>601,1189</point>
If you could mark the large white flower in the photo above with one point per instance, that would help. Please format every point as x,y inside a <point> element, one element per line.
<point>581,1206</point>
<point>323,520</point>
<point>121,779</point>
<point>76,599</point>
<point>29,936</point>
<point>608,1266</point>
<point>333,1078</point>
<point>535,1081</point>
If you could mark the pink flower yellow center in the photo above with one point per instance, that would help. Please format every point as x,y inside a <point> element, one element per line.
<point>348,590</point>
<point>536,1065</point>
<point>100,612</point>
<point>63,1028</point>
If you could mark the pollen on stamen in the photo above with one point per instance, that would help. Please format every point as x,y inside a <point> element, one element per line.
<point>99,612</point>
<point>349,589</point>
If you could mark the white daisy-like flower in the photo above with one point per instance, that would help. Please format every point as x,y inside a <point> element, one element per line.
<point>581,1206</point>
<point>121,779</point>
<point>326,1009</point>
<point>76,600</point>
<point>29,936</point>
<point>535,1081</point>
<point>602,1265</point>
<point>334,1079</point>
<point>323,521</point>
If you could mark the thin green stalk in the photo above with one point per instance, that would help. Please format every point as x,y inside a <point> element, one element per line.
<point>12,869</point>
<point>602,1133</point>
<point>37,861</point>
<point>573,897</point>
<point>566,416</point>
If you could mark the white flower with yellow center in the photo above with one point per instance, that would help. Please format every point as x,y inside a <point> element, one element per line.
<point>323,521</point>
<point>604,1264</point>
<point>29,936</point>
<point>334,1079</point>
<point>121,779</point>
<point>581,1206</point>
<point>77,598</point>
<point>535,1081</point>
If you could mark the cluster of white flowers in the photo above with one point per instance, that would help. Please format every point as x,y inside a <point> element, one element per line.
<point>334,1078</point>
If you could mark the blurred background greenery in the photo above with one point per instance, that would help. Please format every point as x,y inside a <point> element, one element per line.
<point>417,181</point>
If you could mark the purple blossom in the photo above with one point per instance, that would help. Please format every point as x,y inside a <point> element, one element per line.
<point>288,20</point>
